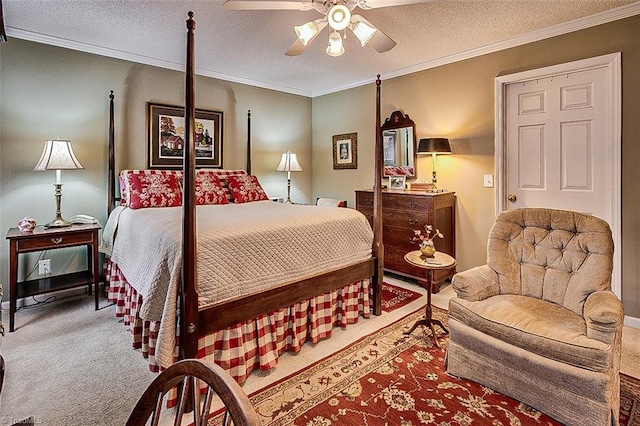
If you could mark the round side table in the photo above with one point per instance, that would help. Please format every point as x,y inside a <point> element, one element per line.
<point>430,264</point>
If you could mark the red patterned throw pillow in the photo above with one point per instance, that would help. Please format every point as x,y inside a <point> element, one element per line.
<point>246,189</point>
<point>209,190</point>
<point>153,188</point>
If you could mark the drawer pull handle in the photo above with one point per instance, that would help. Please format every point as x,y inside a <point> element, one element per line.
<point>56,240</point>
<point>413,205</point>
<point>413,221</point>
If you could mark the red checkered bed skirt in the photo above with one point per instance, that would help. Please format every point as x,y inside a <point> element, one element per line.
<point>255,343</point>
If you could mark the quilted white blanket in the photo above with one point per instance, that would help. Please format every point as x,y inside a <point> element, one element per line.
<point>242,248</point>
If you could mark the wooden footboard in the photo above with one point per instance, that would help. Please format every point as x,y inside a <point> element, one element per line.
<point>223,315</point>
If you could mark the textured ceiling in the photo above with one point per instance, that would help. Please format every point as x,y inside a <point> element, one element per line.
<point>249,46</point>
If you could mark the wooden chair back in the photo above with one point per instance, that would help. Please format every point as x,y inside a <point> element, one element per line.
<point>185,374</point>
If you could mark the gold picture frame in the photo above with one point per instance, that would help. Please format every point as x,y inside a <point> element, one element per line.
<point>345,151</point>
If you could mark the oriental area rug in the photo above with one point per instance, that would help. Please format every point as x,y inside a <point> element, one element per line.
<point>389,378</point>
<point>394,297</point>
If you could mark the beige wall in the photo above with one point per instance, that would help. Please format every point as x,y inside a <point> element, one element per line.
<point>49,92</point>
<point>457,101</point>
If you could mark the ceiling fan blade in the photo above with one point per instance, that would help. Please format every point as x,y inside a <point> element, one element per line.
<point>373,4</point>
<point>298,46</point>
<point>268,5</point>
<point>379,40</point>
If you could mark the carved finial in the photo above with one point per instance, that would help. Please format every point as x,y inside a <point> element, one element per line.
<point>111,94</point>
<point>191,24</point>
<point>378,80</point>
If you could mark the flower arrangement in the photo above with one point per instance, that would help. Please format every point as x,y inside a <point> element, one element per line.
<point>426,239</point>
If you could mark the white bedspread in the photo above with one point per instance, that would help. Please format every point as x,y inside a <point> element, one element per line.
<point>242,248</point>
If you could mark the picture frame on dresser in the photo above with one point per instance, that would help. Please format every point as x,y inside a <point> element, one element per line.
<point>345,151</point>
<point>397,182</point>
<point>165,137</point>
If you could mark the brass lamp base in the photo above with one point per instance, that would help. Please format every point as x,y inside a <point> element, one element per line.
<point>58,222</point>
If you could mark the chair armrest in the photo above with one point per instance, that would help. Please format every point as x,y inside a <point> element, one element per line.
<point>604,315</point>
<point>476,283</point>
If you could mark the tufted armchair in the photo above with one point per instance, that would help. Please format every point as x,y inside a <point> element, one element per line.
<point>539,322</point>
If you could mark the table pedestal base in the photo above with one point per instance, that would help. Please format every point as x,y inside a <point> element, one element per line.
<point>429,322</point>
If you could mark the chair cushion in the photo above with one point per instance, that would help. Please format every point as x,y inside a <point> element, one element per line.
<point>536,326</point>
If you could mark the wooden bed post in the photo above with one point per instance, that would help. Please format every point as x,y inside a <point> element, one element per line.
<point>189,301</point>
<point>378,249</point>
<point>112,158</point>
<point>249,142</point>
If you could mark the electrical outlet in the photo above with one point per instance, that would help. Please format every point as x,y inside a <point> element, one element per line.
<point>44,267</point>
<point>488,181</point>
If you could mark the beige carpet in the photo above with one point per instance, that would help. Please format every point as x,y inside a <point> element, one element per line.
<point>67,364</point>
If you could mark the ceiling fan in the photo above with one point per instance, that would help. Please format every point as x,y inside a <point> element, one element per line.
<point>337,15</point>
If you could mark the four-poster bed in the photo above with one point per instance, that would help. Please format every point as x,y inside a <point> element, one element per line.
<point>207,328</point>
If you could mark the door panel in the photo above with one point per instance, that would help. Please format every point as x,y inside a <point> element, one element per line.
<point>556,128</point>
<point>567,150</point>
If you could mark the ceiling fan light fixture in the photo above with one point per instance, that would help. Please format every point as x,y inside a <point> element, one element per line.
<point>335,47</point>
<point>339,17</point>
<point>363,32</point>
<point>306,32</point>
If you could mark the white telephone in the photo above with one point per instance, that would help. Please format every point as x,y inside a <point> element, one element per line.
<point>83,218</point>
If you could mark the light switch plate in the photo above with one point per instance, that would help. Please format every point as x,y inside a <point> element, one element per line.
<point>488,181</point>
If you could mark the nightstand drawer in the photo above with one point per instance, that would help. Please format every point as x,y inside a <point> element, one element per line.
<point>47,242</point>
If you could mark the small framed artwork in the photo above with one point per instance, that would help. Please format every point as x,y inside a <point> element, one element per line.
<point>165,137</point>
<point>397,182</point>
<point>345,151</point>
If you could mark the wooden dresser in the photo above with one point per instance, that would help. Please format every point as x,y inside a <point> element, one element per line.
<point>404,211</point>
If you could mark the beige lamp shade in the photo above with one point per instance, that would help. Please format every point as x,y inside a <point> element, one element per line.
<point>57,155</point>
<point>289,163</point>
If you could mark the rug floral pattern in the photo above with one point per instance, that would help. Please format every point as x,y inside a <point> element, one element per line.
<point>389,378</point>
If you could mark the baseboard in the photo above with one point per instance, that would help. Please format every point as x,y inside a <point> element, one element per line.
<point>632,321</point>
<point>62,294</point>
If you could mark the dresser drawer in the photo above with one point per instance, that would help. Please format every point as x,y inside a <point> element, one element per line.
<point>392,236</point>
<point>402,201</point>
<point>406,219</point>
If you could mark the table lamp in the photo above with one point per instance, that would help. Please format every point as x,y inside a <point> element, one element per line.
<point>289,163</point>
<point>434,146</point>
<point>58,155</point>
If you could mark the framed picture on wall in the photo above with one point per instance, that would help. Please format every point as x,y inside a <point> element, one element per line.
<point>345,151</point>
<point>165,137</point>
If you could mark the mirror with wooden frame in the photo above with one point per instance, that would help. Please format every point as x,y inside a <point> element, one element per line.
<point>399,145</point>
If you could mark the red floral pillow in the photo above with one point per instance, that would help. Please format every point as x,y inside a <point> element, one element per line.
<point>246,189</point>
<point>153,188</point>
<point>209,190</point>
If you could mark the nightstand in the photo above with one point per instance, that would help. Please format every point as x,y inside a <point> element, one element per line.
<point>50,239</point>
